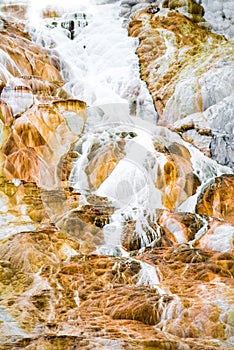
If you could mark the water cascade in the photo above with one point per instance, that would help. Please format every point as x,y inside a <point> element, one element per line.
<point>116,175</point>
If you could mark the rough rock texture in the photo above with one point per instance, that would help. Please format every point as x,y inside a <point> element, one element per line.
<point>201,297</point>
<point>175,178</point>
<point>103,158</point>
<point>65,292</point>
<point>189,72</point>
<point>173,175</point>
<point>37,142</point>
<point>217,199</point>
<point>220,15</point>
<point>36,135</point>
<point>172,286</point>
<point>91,296</point>
<point>172,229</point>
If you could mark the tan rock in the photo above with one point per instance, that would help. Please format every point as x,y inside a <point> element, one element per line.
<point>15,10</point>
<point>103,158</point>
<point>189,72</point>
<point>179,228</point>
<point>175,177</point>
<point>38,141</point>
<point>217,199</point>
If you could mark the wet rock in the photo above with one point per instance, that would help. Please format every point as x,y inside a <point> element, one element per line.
<point>216,199</point>
<point>19,98</point>
<point>103,157</point>
<point>198,275</point>
<point>175,177</point>
<point>28,251</point>
<point>27,59</point>
<point>22,207</point>
<point>56,290</point>
<point>69,22</point>
<point>175,229</point>
<point>190,86</point>
<point>137,235</point>
<point>32,149</point>
<point>218,237</point>
<point>179,228</point>
<point>15,10</point>
<point>191,8</point>
<point>41,88</point>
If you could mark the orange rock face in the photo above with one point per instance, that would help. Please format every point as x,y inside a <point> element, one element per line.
<point>38,140</point>
<point>179,228</point>
<point>22,57</point>
<point>64,288</point>
<point>103,158</point>
<point>173,229</point>
<point>175,178</point>
<point>39,135</point>
<point>170,283</point>
<point>217,199</point>
<point>194,270</point>
<point>178,61</point>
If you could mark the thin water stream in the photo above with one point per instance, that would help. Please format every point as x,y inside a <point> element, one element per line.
<point>100,67</point>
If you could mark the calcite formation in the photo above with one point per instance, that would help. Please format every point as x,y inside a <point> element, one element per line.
<point>189,72</point>
<point>38,122</point>
<point>220,15</point>
<point>176,178</point>
<point>217,199</point>
<point>168,281</point>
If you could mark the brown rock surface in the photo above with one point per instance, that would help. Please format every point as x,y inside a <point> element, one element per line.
<point>103,158</point>
<point>172,229</point>
<point>99,296</point>
<point>22,57</point>
<point>39,139</point>
<point>174,289</point>
<point>41,136</point>
<point>189,72</point>
<point>175,178</point>
<point>196,276</point>
<point>217,199</point>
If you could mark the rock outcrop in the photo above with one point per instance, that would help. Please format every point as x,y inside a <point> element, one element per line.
<point>114,234</point>
<point>98,296</point>
<point>189,72</point>
<point>217,199</point>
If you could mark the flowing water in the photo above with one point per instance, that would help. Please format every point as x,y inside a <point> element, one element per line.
<point>100,67</point>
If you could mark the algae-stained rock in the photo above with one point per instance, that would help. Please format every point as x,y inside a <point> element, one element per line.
<point>37,143</point>
<point>195,275</point>
<point>133,238</point>
<point>189,7</point>
<point>175,176</point>
<point>179,228</point>
<point>103,158</point>
<point>217,199</point>
<point>189,72</point>
<point>166,229</point>
<point>39,134</point>
<point>164,164</point>
<point>21,57</point>
<point>174,290</point>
